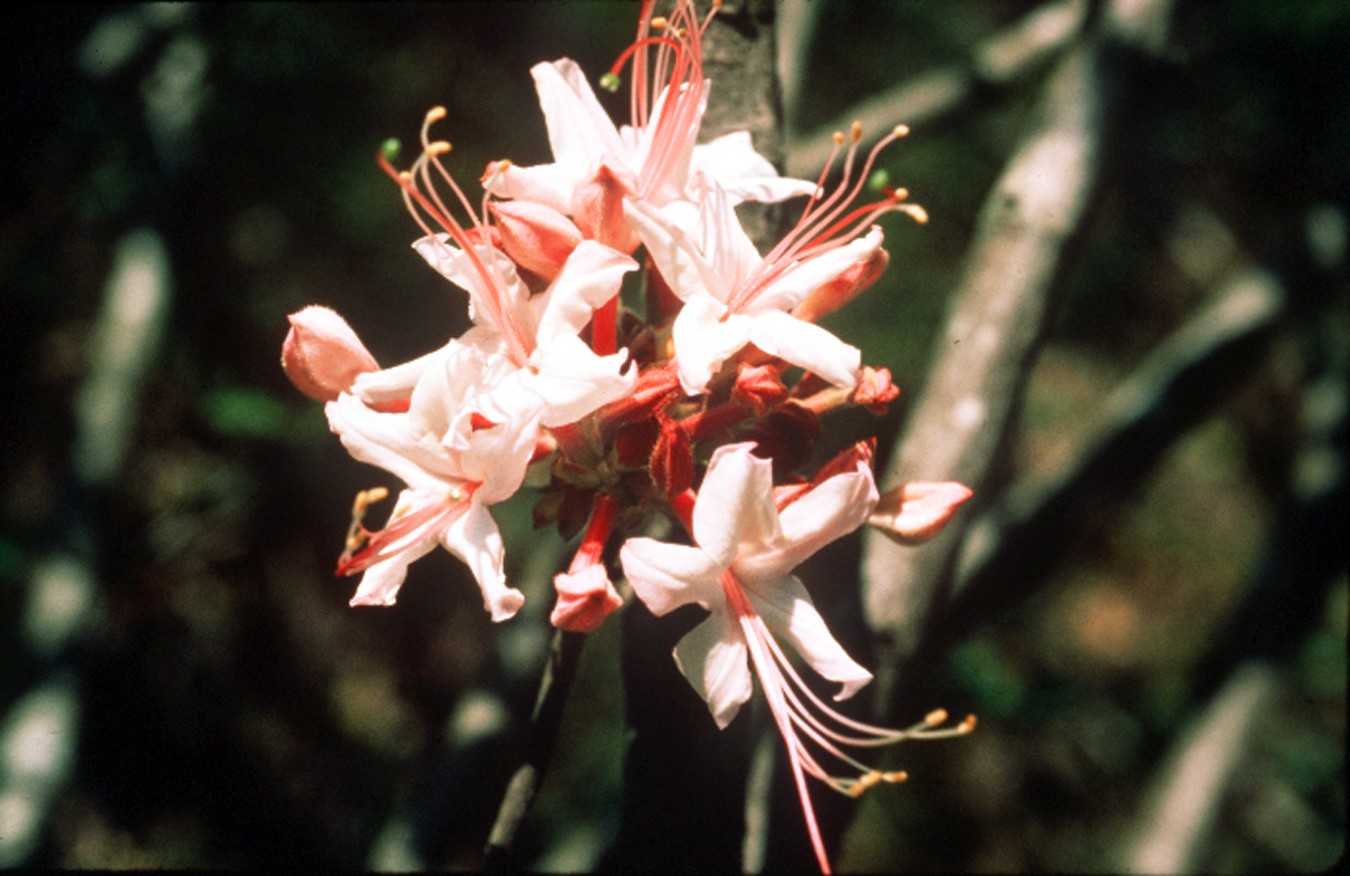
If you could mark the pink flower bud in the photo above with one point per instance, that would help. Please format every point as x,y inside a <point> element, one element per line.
<point>875,391</point>
<point>585,598</point>
<point>597,207</point>
<point>916,512</point>
<point>537,238</point>
<point>759,387</point>
<point>322,355</point>
<point>843,289</point>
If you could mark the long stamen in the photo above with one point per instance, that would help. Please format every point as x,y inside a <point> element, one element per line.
<point>828,222</point>
<point>519,344</point>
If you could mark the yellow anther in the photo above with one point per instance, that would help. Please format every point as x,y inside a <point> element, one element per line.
<point>435,114</point>
<point>900,194</point>
<point>967,725</point>
<point>917,213</point>
<point>838,138</point>
<point>717,4</point>
<point>855,132</point>
<point>901,130</point>
<point>440,147</point>
<point>935,717</point>
<point>659,22</point>
<point>405,175</point>
<point>895,777</point>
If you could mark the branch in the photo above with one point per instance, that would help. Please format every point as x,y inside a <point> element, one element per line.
<point>940,93</point>
<point>1185,795</point>
<point>998,315</point>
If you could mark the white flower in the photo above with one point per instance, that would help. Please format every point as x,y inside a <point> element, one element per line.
<point>555,363</point>
<point>463,444</point>
<point>740,570</point>
<point>734,297</point>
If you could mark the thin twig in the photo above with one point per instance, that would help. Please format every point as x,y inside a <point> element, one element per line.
<point>544,725</point>
<point>937,94</point>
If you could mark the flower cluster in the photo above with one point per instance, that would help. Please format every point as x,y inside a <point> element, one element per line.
<point>685,398</point>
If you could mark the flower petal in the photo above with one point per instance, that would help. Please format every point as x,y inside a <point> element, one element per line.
<point>735,506</point>
<point>705,337</point>
<point>714,657</point>
<point>806,345</point>
<point>381,582</point>
<point>787,610</point>
<point>743,173</point>
<point>590,277</point>
<point>475,539</point>
<point>667,576</point>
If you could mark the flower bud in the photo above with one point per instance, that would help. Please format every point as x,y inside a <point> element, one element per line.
<point>916,512</point>
<point>759,387</point>
<point>844,288</point>
<point>585,598</point>
<point>537,238</point>
<point>672,460</point>
<point>875,391</point>
<point>322,355</point>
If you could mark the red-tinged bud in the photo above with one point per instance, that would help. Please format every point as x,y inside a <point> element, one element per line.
<point>843,289</point>
<point>759,387</point>
<point>916,512</point>
<point>875,391</point>
<point>597,208</point>
<point>585,599</point>
<point>322,355</point>
<point>537,238</point>
<point>672,460</point>
<point>633,443</point>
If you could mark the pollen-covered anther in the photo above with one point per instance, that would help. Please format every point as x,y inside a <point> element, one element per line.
<point>356,533</point>
<point>659,22</point>
<point>900,130</point>
<point>935,717</point>
<point>438,148</point>
<point>838,137</point>
<point>435,114</point>
<point>967,724</point>
<point>855,132</point>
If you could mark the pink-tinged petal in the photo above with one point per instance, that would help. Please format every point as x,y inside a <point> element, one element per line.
<point>843,289</point>
<point>705,337</point>
<point>667,576</point>
<point>548,184</point>
<point>667,235</point>
<point>459,268</point>
<point>826,512</point>
<point>590,278</point>
<point>807,346</point>
<point>397,382</point>
<point>574,381</point>
<point>795,284</point>
<point>669,136</point>
<point>597,208</point>
<point>917,511</point>
<point>580,132</point>
<point>715,659</point>
<point>381,582</point>
<point>475,539</point>
<point>729,256</point>
<point>322,355</point>
<point>536,237</point>
<point>788,612</point>
<point>386,441</point>
<point>734,510</point>
<point>585,599</point>
<point>745,174</point>
<point>499,455</point>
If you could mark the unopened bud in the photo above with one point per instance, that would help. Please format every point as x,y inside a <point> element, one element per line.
<point>322,355</point>
<point>844,288</point>
<point>875,391</point>
<point>585,599</point>
<point>759,387</point>
<point>916,512</point>
<point>672,460</point>
<point>537,238</point>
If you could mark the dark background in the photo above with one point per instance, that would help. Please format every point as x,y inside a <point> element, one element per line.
<point>233,711</point>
